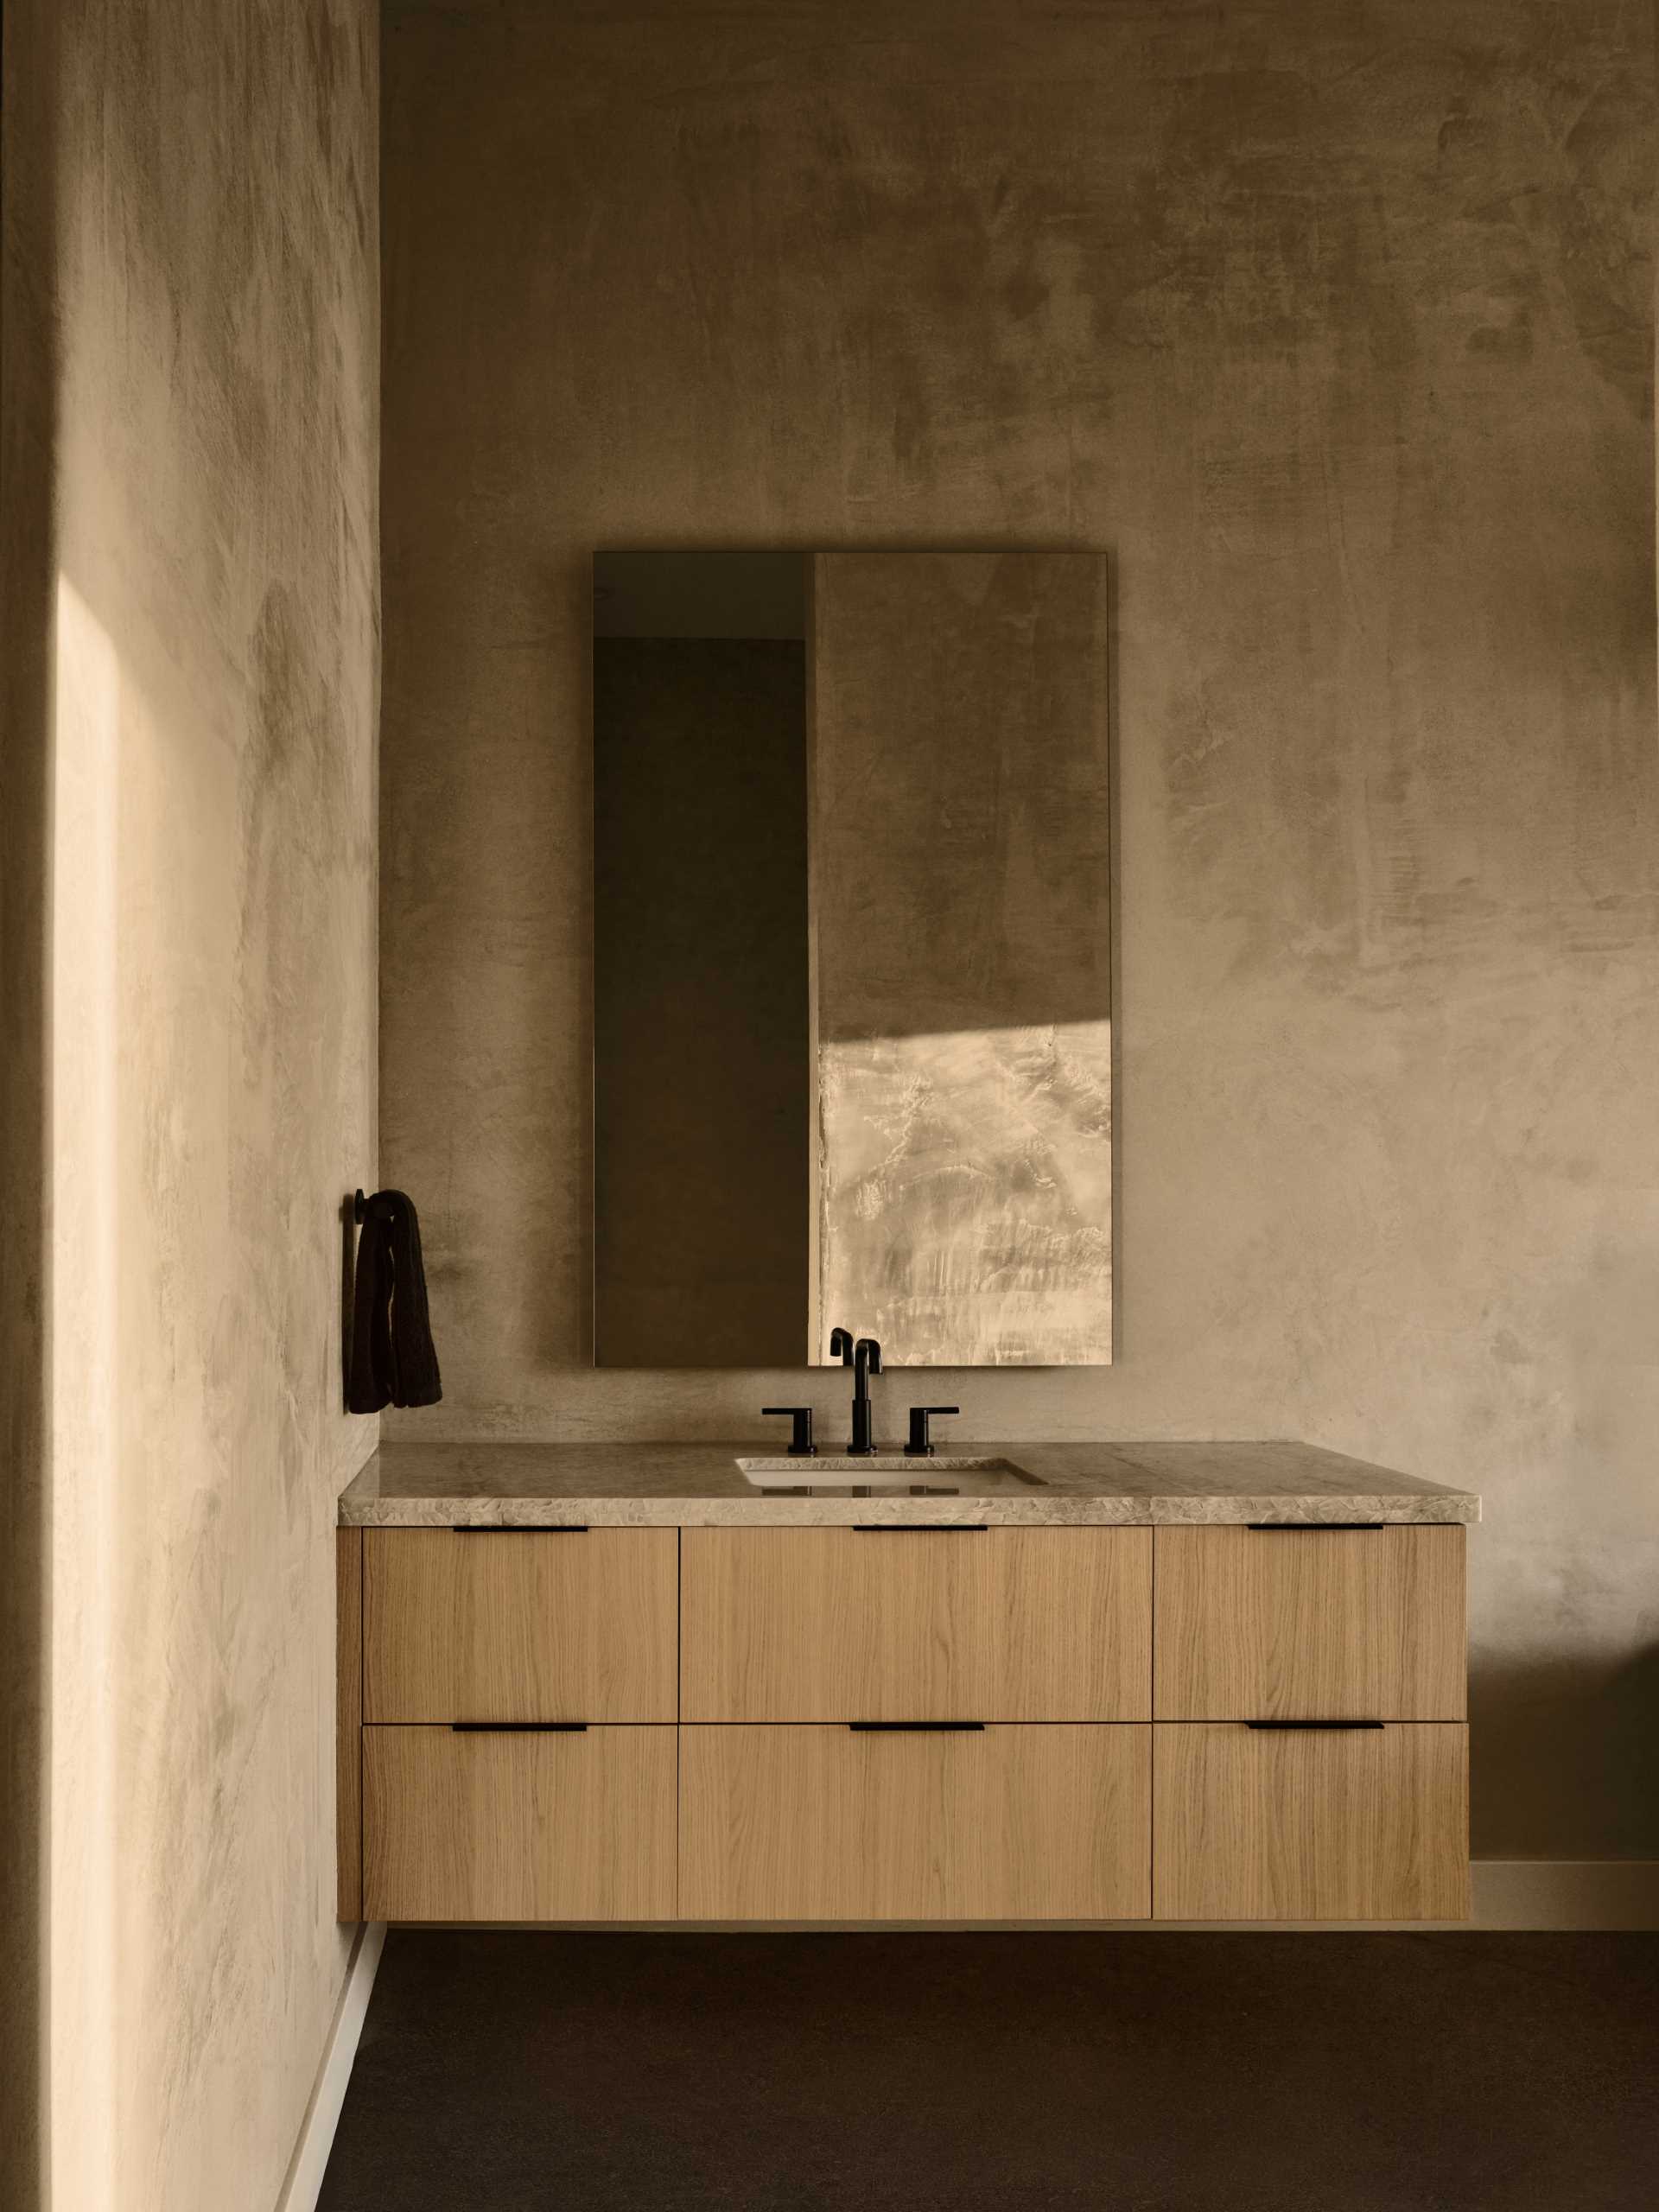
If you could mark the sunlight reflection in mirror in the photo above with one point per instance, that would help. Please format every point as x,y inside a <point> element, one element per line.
<point>964,1193</point>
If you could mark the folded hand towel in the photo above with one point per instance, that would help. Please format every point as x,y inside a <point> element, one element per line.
<point>393,1362</point>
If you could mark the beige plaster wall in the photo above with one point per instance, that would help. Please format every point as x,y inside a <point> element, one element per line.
<point>1333,325</point>
<point>196,441</point>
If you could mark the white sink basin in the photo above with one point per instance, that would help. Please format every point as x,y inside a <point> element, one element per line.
<point>887,1474</point>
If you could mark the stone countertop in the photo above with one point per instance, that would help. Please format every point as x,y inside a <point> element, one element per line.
<point>690,1485</point>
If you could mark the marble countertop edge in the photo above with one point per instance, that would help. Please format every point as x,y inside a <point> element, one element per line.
<point>1057,1511</point>
<point>1096,1484</point>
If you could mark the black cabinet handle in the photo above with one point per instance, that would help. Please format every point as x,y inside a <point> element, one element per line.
<point>919,1528</point>
<point>1313,1724</point>
<point>916,1727</point>
<point>517,1727</point>
<point>518,1528</point>
<point>1310,1528</point>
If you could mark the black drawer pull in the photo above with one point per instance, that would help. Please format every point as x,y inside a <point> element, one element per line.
<point>518,1727</point>
<point>1311,1528</point>
<point>919,1528</point>
<point>916,1727</point>
<point>1313,1724</point>
<point>518,1528</point>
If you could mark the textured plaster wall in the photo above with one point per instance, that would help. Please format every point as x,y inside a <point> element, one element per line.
<point>195,439</point>
<point>1333,325</point>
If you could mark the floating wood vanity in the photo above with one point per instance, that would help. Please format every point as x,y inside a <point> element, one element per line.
<point>1169,1681</point>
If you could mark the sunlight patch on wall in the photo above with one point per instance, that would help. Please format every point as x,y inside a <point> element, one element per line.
<point>85,1107</point>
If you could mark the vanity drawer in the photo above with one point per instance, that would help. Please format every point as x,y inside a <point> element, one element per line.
<point>518,1624</point>
<point>836,1824</point>
<point>1311,1823</point>
<point>916,1624</point>
<point>1310,1624</point>
<point>518,1824</point>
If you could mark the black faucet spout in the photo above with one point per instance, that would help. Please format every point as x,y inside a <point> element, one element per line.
<point>867,1361</point>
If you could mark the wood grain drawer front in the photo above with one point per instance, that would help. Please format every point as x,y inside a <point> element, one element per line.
<point>518,1626</point>
<point>915,1623</point>
<point>828,1823</point>
<point>519,1826</point>
<point>1310,1625</point>
<point>1311,1824</point>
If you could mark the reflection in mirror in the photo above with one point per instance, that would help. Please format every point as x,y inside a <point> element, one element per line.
<point>703,1085</point>
<point>853,1009</point>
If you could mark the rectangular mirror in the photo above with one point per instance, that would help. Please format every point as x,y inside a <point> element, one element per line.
<point>852,957</point>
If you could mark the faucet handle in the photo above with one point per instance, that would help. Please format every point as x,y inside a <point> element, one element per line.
<point>919,1446</point>
<point>801,1443</point>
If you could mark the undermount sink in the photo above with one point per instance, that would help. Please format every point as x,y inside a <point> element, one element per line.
<point>836,1474</point>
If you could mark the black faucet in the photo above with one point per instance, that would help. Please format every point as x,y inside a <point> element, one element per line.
<point>864,1357</point>
<point>920,1444</point>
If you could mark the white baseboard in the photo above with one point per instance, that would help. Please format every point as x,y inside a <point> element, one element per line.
<point>1610,1894</point>
<point>302,2184</point>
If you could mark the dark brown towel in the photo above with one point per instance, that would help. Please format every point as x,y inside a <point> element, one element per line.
<point>393,1360</point>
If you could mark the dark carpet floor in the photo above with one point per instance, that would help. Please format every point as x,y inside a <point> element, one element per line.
<point>507,2072</point>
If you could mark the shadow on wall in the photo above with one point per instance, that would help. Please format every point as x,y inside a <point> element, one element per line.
<point>347,1294</point>
<point>1562,1732</point>
<point>29,362</point>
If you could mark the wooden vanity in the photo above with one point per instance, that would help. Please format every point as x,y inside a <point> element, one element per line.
<point>945,1714</point>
